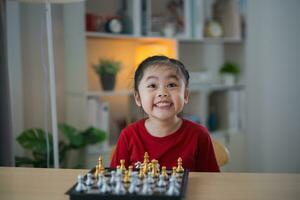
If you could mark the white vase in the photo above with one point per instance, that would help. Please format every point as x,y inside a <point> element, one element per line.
<point>228,79</point>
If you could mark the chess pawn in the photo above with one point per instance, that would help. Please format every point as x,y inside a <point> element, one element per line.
<point>173,189</point>
<point>119,169</point>
<point>80,184</point>
<point>112,177</point>
<point>101,180</point>
<point>179,168</point>
<point>147,187</point>
<point>119,188</point>
<point>174,173</point>
<point>161,182</point>
<point>133,188</point>
<point>126,177</point>
<point>89,181</point>
<point>100,164</point>
<point>122,165</point>
<point>164,172</point>
<point>105,187</point>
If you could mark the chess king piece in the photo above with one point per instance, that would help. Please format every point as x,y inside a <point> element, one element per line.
<point>179,168</point>
<point>80,184</point>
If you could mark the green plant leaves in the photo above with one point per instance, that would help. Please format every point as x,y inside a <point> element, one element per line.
<point>107,66</point>
<point>93,135</point>
<point>75,139</point>
<point>34,139</point>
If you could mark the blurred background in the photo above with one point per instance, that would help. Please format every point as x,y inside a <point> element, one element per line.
<point>243,57</point>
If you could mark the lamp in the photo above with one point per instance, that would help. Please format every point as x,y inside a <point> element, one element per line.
<point>51,71</point>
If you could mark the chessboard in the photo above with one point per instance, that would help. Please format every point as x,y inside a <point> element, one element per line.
<point>144,182</point>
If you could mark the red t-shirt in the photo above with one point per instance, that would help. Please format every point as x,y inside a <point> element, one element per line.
<point>191,142</point>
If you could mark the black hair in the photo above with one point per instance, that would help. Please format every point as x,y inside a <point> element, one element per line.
<point>159,60</point>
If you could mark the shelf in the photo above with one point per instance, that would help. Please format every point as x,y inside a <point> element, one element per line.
<point>209,87</point>
<point>108,93</point>
<point>180,39</point>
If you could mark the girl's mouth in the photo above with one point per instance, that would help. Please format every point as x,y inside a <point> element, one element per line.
<point>163,104</point>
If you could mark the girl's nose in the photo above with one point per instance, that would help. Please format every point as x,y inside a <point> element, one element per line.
<point>163,95</point>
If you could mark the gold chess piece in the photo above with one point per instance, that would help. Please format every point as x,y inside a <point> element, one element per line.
<point>126,177</point>
<point>174,171</point>
<point>96,171</point>
<point>100,163</point>
<point>145,163</point>
<point>154,164</point>
<point>179,168</point>
<point>141,173</point>
<point>122,165</point>
<point>130,168</point>
<point>164,172</point>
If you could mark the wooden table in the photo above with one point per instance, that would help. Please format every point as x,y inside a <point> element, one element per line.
<point>30,183</point>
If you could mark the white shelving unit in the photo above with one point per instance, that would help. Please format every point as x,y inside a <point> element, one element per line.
<point>197,52</point>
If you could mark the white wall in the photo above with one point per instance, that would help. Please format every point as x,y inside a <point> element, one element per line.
<point>272,79</point>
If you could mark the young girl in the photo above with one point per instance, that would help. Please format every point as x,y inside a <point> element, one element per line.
<point>161,89</point>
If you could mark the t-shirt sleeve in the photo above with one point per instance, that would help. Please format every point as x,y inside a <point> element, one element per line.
<point>206,161</point>
<point>121,151</point>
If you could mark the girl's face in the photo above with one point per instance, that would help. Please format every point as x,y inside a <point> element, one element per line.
<point>161,93</point>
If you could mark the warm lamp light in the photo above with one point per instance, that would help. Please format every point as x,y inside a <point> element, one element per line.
<point>51,71</point>
<point>146,50</point>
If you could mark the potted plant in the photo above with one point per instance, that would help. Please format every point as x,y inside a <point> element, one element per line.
<point>229,73</point>
<point>34,140</point>
<point>107,70</point>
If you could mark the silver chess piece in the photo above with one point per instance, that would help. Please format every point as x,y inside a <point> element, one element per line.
<point>80,184</point>
<point>89,181</point>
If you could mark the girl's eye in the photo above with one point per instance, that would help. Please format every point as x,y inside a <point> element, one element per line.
<point>172,85</point>
<point>151,86</point>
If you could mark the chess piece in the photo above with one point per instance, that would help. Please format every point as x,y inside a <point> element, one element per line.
<point>89,181</point>
<point>130,168</point>
<point>141,173</point>
<point>105,187</point>
<point>100,164</point>
<point>133,188</point>
<point>154,171</point>
<point>80,184</point>
<point>122,165</point>
<point>174,171</point>
<point>145,163</point>
<point>126,177</point>
<point>179,168</point>
<point>119,188</point>
<point>164,172</point>
<point>161,182</point>
<point>147,190</point>
<point>96,171</point>
<point>112,180</point>
<point>101,180</point>
<point>173,189</point>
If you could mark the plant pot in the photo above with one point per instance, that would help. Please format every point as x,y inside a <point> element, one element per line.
<point>228,79</point>
<point>108,81</point>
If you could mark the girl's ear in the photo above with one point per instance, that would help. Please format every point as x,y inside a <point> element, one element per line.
<point>186,95</point>
<point>137,99</point>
